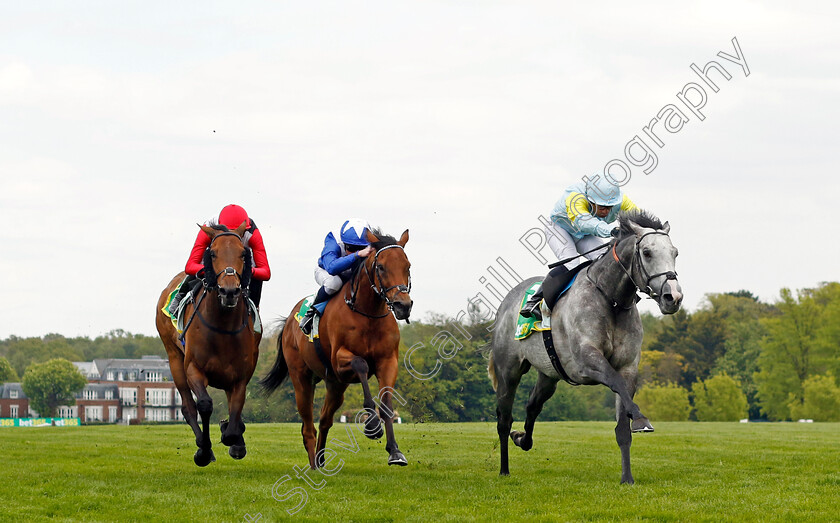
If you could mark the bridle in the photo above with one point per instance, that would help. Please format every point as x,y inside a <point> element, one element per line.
<point>637,260</point>
<point>376,284</point>
<point>211,283</point>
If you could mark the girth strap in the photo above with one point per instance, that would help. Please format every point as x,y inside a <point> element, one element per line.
<point>325,361</point>
<point>552,355</point>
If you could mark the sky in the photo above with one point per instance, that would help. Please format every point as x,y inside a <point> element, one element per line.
<point>122,125</point>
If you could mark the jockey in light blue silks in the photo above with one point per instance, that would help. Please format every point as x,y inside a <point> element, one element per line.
<point>582,219</point>
<point>343,250</point>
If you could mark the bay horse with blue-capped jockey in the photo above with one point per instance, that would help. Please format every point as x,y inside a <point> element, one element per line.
<point>359,338</point>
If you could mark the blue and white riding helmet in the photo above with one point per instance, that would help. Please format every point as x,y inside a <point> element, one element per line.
<point>601,191</point>
<point>353,232</point>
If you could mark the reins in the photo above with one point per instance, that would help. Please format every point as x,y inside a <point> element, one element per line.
<point>377,285</point>
<point>637,259</point>
<point>211,284</point>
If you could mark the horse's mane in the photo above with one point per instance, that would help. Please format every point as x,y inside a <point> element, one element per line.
<point>640,217</point>
<point>384,239</point>
<point>218,226</point>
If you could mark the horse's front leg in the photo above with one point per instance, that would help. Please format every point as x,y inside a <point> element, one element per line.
<point>597,368</point>
<point>386,374</point>
<point>204,404</point>
<point>347,361</point>
<point>233,428</point>
<point>543,390</point>
<point>189,410</point>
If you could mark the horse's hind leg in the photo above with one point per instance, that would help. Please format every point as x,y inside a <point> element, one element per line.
<point>204,404</point>
<point>233,429</point>
<point>304,394</point>
<point>543,390</point>
<point>508,377</point>
<point>333,400</point>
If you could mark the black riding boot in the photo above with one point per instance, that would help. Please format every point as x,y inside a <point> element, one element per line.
<point>309,318</point>
<point>531,309</point>
<point>182,291</point>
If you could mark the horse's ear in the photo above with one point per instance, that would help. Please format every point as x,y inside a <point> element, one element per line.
<point>211,232</point>
<point>371,238</point>
<point>636,228</point>
<point>241,229</point>
<point>403,239</point>
<point>666,228</point>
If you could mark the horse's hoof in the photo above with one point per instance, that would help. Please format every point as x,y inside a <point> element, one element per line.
<point>519,440</point>
<point>237,451</point>
<point>627,481</point>
<point>641,425</point>
<point>202,457</point>
<point>397,458</point>
<point>374,431</point>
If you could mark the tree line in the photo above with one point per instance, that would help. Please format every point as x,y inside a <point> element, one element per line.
<point>735,357</point>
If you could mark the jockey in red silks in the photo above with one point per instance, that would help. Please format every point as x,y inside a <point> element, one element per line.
<point>232,216</point>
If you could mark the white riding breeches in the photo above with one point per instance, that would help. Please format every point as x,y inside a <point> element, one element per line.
<point>331,283</point>
<point>564,245</point>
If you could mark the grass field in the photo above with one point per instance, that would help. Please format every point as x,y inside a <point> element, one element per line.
<point>683,471</point>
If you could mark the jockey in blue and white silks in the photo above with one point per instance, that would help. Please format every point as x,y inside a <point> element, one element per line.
<point>582,219</point>
<point>343,250</point>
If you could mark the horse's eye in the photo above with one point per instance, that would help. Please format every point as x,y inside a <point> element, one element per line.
<point>646,252</point>
<point>213,254</point>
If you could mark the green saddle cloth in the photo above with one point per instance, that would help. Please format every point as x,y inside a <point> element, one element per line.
<point>304,306</point>
<point>525,326</point>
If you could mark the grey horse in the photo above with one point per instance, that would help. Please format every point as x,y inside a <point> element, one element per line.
<point>596,330</point>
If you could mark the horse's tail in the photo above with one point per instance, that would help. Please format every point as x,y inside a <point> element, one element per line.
<point>491,372</point>
<point>278,373</point>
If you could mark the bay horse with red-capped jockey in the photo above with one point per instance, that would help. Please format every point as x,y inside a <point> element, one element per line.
<point>220,349</point>
<point>359,337</point>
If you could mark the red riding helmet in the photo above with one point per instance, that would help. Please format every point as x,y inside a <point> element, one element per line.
<point>232,216</point>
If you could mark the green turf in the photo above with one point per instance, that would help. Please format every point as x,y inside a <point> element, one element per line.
<point>683,471</point>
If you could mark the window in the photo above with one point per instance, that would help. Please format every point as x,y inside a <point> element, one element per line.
<point>157,415</point>
<point>120,376</point>
<point>131,376</point>
<point>128,396</point>
<point>93,413</point>
<point>65,412</point>
<point>110,375</point>
<point>109,394</point>
<point>14,411</point>
<point>156,376</point>
<point>129,414</point>
<point>178,401</point>
<point>89,394</point>
<point>13,394</point>
<point>158,397</point>
<point>112,414</point>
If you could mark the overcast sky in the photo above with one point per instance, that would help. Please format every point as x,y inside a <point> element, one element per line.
<point>122,124</point>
